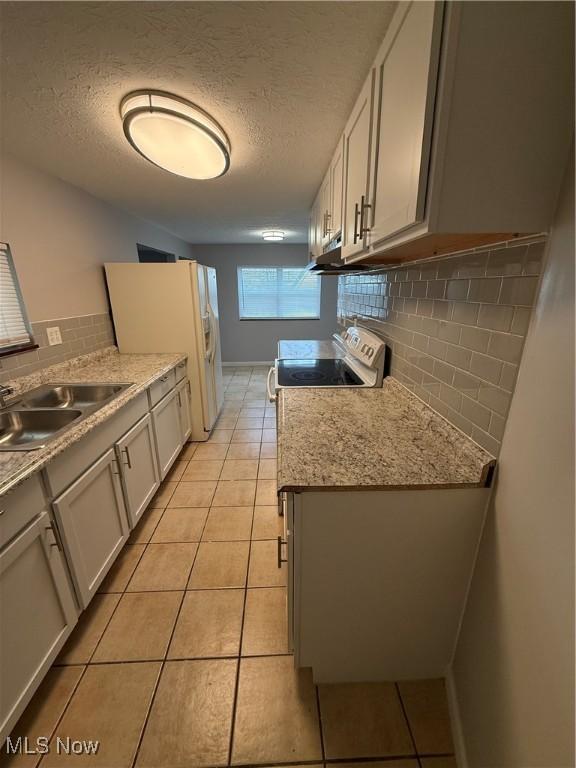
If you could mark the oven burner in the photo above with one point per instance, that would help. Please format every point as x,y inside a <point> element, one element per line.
<point>308,376</point>
<point>316,373</point>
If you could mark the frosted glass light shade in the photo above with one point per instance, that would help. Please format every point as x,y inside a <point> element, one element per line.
<point>175,134</point>
<point>273,235</point>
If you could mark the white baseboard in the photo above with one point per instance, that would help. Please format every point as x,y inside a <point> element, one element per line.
<point>248,363</point>
<point>455,721</point>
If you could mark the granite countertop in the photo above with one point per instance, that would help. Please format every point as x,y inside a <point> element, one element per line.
<point>105,366</point>
<point>309,350</point>
<point>371,439</point>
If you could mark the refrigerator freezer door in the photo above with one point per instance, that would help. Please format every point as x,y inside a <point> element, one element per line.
<point>215,339</point>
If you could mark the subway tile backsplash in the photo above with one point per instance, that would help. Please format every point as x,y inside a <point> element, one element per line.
<point>80,335</point>
<point>456,327</point>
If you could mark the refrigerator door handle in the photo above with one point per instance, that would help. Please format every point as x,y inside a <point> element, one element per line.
<point>212,345</point>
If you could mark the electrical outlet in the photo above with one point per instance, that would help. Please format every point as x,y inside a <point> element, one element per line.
<point>54,336</point>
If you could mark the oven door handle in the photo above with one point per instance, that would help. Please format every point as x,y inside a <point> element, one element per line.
<point>271,395</point>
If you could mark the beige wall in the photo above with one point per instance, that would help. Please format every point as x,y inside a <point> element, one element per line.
<point>514,665</point>
<point>60,236</point>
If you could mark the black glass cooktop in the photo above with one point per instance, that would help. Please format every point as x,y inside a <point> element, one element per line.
<point>316,373</point>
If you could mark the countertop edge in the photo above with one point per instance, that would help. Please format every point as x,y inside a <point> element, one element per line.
<point>68,439</point>
<point>368,488</point>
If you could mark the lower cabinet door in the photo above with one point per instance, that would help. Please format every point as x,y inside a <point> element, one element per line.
<point>166,420</point>
<point>92,520</point>
<point>140,476</point>
<point>37,613</point>
<point>184,405</point>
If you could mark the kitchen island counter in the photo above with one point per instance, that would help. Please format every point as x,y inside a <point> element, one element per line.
<point>347,438</point>
<point>309,350</point>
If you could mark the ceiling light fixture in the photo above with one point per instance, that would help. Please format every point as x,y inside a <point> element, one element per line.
<point>175,134</point>
<point>274,235</point>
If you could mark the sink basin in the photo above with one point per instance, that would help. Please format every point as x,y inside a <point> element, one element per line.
<point>81,396</point>
<point>22,430</point>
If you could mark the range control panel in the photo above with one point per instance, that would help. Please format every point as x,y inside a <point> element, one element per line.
<point>364,345</point>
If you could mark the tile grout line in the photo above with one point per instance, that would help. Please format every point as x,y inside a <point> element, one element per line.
<point>163,663</point>
<point>320,728</point>
<point>241,639</point>
<point>407,720</point>
<point>59,720</point>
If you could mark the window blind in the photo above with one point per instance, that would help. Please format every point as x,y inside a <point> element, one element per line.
<point>14,329</point>
<point>270,293</point>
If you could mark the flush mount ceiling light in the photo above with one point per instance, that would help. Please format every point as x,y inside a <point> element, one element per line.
<point>175,134</point>
<point>273,234</point>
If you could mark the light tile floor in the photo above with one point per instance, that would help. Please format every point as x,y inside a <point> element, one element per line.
<point>181,660</point>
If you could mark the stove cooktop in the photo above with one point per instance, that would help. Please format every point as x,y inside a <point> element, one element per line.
<point>316,373</point>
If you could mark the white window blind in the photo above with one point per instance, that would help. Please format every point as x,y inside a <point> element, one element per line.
<point>14,328</point>
<point>269,293</point>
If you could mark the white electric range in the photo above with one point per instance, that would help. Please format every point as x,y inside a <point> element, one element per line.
<point>361,364</point>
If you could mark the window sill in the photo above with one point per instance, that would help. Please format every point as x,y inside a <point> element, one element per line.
<point>18,350</point>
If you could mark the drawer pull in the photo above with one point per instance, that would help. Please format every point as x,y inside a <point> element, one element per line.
<point>181,365</point>
<point>164,379</point>
<point>280,558</point>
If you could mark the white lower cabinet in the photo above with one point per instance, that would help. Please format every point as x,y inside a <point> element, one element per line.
<point>185,415</point>
<point>166,420</point>
<point>377,580</point>
<point>92,520</point>
<point>136,453</point>
<point>37,613</point>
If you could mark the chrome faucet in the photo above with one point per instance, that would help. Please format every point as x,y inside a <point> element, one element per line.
<point>4,393</point>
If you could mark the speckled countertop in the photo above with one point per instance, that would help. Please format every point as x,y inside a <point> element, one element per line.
<point>309,350</point>
<point>371,439</point>
<point>106,366</point>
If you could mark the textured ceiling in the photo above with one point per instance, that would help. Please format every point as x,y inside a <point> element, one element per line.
<point>281,77</point>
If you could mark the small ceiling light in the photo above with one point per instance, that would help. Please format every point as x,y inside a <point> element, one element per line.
<point>273,234</point>
<point>175,134</point>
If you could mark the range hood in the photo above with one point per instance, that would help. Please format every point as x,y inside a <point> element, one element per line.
<point>330,263</point>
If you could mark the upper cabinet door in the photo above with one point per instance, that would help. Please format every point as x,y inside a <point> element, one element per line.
<point>325,209</point>
<point>357,137</point>
<point>406,73</point>
<point>336,188</point>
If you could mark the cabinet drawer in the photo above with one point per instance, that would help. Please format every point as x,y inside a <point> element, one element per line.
<point>180,371</point>
<point>162,386</point>
<point>76,459</point>
<point>20,506</point>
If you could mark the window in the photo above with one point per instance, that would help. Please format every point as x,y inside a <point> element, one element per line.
<point>278,293</point>
<point>14,328</point>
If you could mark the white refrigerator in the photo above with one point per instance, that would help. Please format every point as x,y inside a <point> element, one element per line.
<point>173,308</point>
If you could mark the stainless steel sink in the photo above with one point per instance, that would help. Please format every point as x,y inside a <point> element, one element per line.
<point>81,396</point>
<point>22,430</point>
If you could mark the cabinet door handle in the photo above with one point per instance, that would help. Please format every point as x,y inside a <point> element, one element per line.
<point>128,461</point>
<point>280,558</point>
<point>54,543</point>
<point>190,389</point>
<point>356,216</point>
<point>363,206</point>
<point>163,379</point>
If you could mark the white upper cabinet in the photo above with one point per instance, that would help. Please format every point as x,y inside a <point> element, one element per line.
<point>406,71</point>
<point>336,191</point>
<point>325,209</point>
<point>315,229</point>
<point>461,134</point>
<point>357,137</point>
